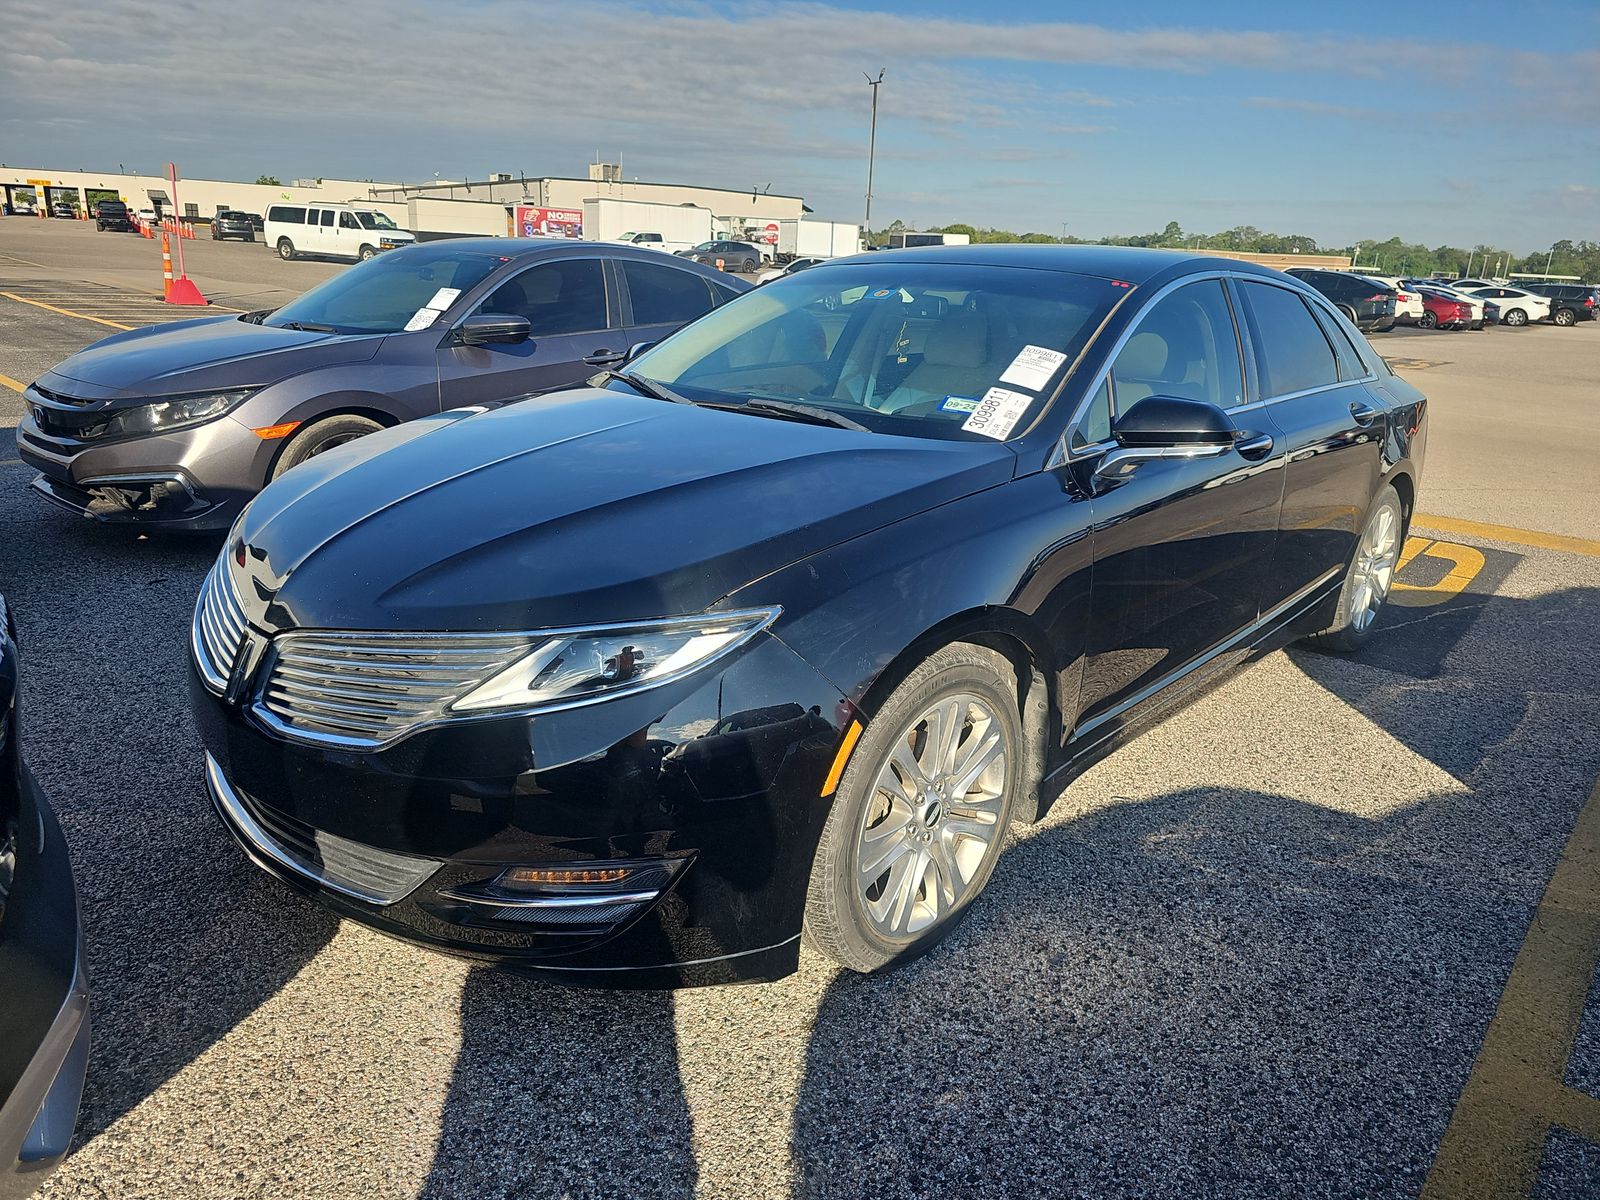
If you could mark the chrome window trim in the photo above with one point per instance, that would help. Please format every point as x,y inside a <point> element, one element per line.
<point>1063,453</point>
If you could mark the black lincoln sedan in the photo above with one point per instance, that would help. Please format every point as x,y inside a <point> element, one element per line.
<point>44,1011</point>
<point>774,629</point>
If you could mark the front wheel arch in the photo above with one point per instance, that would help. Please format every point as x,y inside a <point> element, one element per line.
<point>377,415</point>
<point>1011,634</point>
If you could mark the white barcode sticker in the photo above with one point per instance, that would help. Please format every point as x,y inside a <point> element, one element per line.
<point>421,319</point>
<point>997,413</point>
<point>1033,366</point>
<point>443,298</point>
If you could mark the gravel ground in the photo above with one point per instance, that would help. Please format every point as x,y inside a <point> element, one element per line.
<point>1251,954</point>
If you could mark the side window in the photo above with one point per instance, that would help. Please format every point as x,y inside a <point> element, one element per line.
<point>1184,346</point>
<point>665,295</point>
<point>1293,353</point>
<point>347,221</point>
<point>1350,364</point>
<point>1096,424</point>
<point>565,296</point>
<point>327,218</point>
<point>287,215</point>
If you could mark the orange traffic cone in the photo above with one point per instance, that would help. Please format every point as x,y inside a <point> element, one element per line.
<point>166,268</point>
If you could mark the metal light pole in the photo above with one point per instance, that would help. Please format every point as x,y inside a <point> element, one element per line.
<point>872,146</point>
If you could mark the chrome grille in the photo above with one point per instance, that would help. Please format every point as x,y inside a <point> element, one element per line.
<point>219,626</point>
<point>370,688</point>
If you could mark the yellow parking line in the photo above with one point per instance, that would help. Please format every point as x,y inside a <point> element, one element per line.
<point>1465,563</point>
<point>1515,1094</point>
<point>14,385</point>
<point>66,312</point>
<point>1509,533</point>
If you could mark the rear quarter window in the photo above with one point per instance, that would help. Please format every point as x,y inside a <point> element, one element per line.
<point>287,215</point>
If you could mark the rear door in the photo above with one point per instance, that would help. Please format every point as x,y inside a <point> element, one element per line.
<point>1181,548</point>
<point>660,298</point>
<point>576,328</point>
<point>1315,386</point>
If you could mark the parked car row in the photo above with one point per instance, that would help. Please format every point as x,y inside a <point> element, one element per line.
<point>658,625</point>
<point>1376,303</point>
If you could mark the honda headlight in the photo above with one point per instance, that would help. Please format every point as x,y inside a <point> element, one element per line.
<point>159,416</point>
<point>579,666</point>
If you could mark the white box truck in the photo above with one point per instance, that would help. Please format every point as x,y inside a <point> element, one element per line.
<point>666,227</point>
<point>817,239</point>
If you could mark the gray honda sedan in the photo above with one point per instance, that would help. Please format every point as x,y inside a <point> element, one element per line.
<point>180,424</point>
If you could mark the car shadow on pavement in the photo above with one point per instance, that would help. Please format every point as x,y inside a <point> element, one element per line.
<point>1224,965</point>
<point>184,936</point>
<point>563,1092</point>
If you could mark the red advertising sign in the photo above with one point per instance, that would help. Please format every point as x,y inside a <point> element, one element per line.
<point>549,222</point>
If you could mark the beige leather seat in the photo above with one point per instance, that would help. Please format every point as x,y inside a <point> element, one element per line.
<point>1140,368</point>
<point>955,362</point>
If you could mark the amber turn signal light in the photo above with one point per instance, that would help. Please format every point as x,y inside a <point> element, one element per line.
<point>536,876</point>
<point>268,433</point>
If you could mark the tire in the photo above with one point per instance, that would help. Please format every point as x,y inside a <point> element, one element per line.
<point>1564,317</point>
<point>319,436</point>
<point>365,253</point>
<point>286,249</point>
<point>1349,313</point>
<point>749,265</point>
<point>1428,320</point>
<point>1514,318</point>
<point>865,923</point>
<point>249,237</point>
<point>1368,577</point>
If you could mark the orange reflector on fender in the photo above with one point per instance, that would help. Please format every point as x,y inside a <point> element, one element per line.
<point>269,432</point>
<point>836,772</point>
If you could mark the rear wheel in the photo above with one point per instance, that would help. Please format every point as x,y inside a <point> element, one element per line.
<point>1369,576</point>
<point>1515,317</point>
<point>1565,316</point>
<point>285,249</point>
<point>320,437</point>
<point>1349,313</point>
<point>1428,320</point>
<point>749,265</point>
<point>921,812</point>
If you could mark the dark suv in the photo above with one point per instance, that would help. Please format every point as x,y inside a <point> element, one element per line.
<point>228,224</point>
<point>1369,304</point>
<point>735,256</point>
<point>1569,302</point>
<point>112,214</point>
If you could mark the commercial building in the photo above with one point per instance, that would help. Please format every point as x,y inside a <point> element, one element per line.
<point>197,198</point>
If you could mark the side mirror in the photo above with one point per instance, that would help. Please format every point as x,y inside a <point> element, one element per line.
<point>1170,427</point>
<point>1173,421</point>
<point>637,349</point>
<point>485,329</point>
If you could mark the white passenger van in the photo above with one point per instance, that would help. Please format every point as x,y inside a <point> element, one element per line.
<point>331,230</point>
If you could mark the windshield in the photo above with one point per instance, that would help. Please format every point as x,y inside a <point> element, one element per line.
<point>704,246</point>
<point>386,293</point>
<point>375,220</point>
<point>926,349</point>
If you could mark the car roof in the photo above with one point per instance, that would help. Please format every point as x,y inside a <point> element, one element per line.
<point>1131,264</point>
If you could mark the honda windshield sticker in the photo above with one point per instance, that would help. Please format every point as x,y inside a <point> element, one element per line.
<point>1033,366</point>
<point>998,413</point>
<point>421,319</point>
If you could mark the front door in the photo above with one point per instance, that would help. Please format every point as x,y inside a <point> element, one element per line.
<point>575,330</point>
<point>1312,376</point>
<point>1181,546</point>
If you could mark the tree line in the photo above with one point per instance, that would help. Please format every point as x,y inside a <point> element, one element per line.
<point>1390,257</point>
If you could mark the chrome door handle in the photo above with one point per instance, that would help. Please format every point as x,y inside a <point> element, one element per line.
<point>1364,414</point>
<point>1255,445</point>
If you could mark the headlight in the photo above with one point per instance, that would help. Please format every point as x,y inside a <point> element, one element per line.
<point>175,413</point>
<point>582,665</point>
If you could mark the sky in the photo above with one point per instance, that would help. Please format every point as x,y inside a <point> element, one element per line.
<point>1464,123</point>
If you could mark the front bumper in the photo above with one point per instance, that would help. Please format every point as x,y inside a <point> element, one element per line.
<point>714,784</point>
<point>44,1006</point>
<point>194,480</point>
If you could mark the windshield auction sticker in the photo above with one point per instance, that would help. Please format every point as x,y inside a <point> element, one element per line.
<point>421,319</point>
<point>997,413</point>
<point>1033,366</point>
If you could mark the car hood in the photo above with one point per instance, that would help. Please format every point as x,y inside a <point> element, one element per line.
<point>577,508</point>
<point>194,356</point>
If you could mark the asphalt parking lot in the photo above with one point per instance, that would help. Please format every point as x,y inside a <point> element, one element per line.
<point>1332,930</point>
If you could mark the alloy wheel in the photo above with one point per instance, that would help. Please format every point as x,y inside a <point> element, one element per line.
<point>933,818</point>
<point>1372,572</point>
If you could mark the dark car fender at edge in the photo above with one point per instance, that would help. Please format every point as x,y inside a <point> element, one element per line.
<point>989,585</point>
